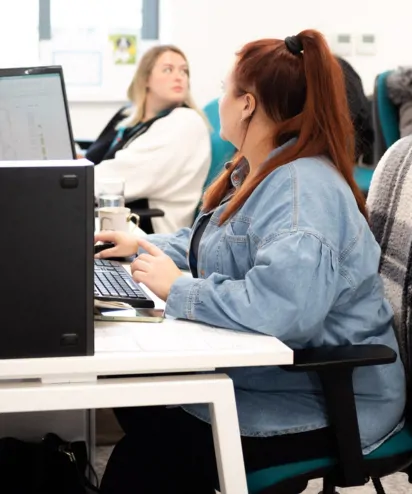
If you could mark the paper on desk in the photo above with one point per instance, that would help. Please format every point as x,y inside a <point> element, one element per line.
<point>172,336</point>
<point>175,336</point>
<point>105,304</point>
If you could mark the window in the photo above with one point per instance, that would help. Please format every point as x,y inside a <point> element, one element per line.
<point>95,41</point>
<point>19,34</point>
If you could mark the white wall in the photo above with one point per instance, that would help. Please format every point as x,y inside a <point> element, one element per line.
<point>210,31</point>
<point>88,119</point>
<point>18,33</point>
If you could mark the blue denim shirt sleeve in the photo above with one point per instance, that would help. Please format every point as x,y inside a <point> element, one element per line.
<point>175,245</point>
<point>287,293</point>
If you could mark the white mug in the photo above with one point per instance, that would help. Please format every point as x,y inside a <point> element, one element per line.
<point>117,219</point>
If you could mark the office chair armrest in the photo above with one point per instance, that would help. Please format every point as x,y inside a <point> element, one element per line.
<point>350,356</point>
<point>141,207</point>
<point>84,144</point>
<point>149,212</point>
<point>334,367</point>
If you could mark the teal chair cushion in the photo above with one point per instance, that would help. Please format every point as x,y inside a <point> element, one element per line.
<point>397,444</point>
<point>387,111</point>
<point>262,479</point>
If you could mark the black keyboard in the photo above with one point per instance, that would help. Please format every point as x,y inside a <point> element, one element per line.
<point>113,283</point>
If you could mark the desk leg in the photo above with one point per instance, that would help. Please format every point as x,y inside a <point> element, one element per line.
<point>226,436</point>
<point>215,389</point>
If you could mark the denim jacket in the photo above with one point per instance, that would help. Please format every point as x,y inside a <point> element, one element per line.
<point>298,262</point>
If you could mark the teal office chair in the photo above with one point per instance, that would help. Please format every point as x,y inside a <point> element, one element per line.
<point>222,151</point>
<point>385,118</point>
<point>363,177</point>
<point>389,208</point>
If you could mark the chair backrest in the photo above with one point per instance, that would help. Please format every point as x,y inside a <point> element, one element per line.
<point>390,209</point>
<point>385,117</point>
<point>222,151</point>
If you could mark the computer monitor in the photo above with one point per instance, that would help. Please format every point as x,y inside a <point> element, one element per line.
<point>34,115</point>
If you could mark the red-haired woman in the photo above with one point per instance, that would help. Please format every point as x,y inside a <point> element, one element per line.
<point>282,247</point>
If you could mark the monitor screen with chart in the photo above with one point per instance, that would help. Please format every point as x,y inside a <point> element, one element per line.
<point>34,116</point>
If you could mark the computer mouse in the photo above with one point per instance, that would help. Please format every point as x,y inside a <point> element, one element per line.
<point>108,245</point>
<point>103,246</point>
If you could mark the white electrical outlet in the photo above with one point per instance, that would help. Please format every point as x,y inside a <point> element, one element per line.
<point>366,44</point>
<point>341,44</point>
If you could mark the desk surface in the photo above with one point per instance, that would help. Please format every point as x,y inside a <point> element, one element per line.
<point>168,347</point>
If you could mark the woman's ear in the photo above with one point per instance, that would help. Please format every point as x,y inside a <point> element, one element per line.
<point>249,107</point>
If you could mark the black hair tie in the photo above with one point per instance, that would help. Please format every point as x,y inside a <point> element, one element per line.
<point>294,45</point>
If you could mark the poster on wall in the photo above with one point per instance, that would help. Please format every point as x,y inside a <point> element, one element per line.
<point>97,42</point>
<point>124,48</point>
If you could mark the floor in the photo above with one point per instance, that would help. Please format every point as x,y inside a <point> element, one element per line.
<point>396,484</point>
<point>102,455</point>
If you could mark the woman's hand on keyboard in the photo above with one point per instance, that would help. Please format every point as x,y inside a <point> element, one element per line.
<point>155,269</point>
<point>125,244</point>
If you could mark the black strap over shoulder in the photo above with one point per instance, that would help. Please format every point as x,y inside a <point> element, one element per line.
<point>101,145</point>
<point>102,148</point>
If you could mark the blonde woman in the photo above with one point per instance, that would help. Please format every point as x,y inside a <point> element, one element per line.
<point>160,144</point>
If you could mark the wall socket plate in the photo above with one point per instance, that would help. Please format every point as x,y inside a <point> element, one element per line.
<point>366,44</point>
<point>341,44</point>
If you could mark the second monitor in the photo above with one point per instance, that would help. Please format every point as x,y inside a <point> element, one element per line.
<point>34,115</point>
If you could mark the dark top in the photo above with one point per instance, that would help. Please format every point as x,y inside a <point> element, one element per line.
<point>361,112</point>
<point>197,237</point>
<point>201,226</point>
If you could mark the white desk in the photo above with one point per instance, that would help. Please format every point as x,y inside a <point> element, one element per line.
<point>165,348</point>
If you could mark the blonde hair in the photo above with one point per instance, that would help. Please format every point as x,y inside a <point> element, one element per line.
<point>137,90</point>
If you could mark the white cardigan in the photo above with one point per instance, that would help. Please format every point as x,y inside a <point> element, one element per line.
<point>168,165</point>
